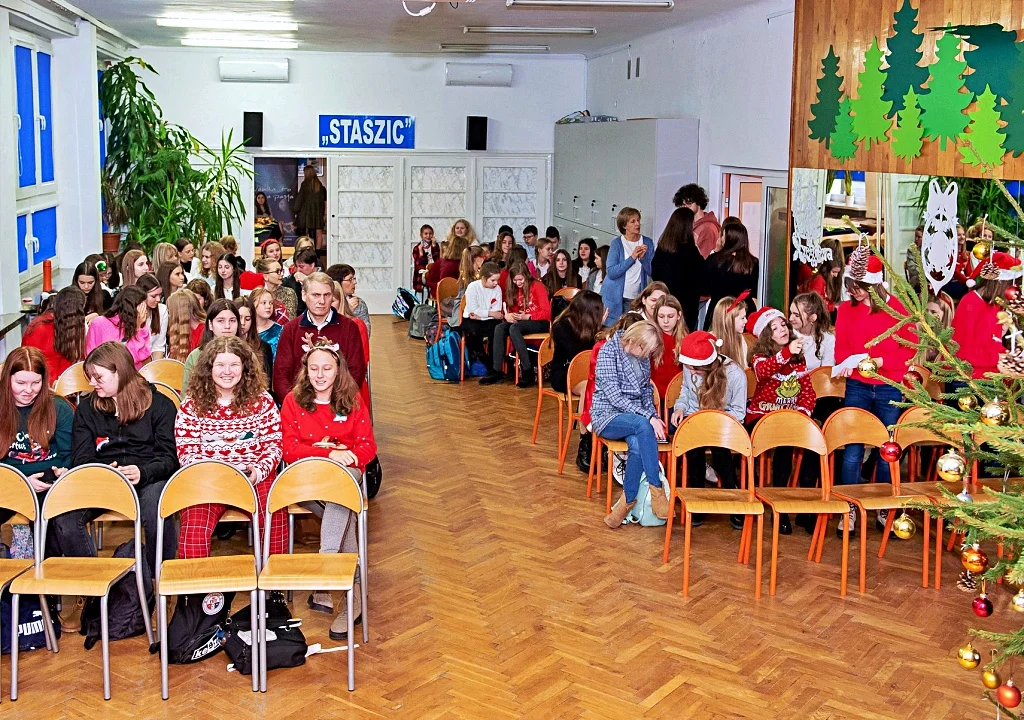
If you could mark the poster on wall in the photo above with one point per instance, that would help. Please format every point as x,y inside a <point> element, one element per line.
<point>277,179</point>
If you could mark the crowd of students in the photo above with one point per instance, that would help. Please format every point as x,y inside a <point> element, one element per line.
<point>263,381</point>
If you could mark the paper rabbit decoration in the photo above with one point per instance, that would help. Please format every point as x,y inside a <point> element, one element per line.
<point>939,246</point>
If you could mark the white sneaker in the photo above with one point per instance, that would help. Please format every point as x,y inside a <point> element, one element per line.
<point>710,476</point>
<point>850,519</point>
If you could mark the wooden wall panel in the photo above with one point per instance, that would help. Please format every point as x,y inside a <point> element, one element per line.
<point>850,26</point>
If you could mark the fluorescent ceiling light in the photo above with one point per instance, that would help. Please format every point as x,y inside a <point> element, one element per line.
<point>664,4</point>
<point>236,41</point>
<point>228,23</point>
<point>494,48</point>
<point>493,30</point>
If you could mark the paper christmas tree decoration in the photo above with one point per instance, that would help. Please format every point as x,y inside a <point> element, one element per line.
<point>983,132</point>
<point>903,58</point>
<point>993,60</point>
<point>826,108</point>
<point>908,135</point>
<point>942,115</point>
<point>871,113</point>
<point>843,141</point>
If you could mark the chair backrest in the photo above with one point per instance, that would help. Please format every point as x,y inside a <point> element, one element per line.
<point>462,308</point>
<point>448,287</point>
<point>167,371</point>
<point>827,386</point>
<point>17,495</point>
<point>207,481</point>
<point>751,383</point>
<point>791,428</point>
<point>568,293</point>
<point>579,370</point>
<point>906,436</point>
<point>72,381</point>
<point>316,478</point>
<point>656,397</point>
<point>91,486</point>
<point>711,428</point>
<point>169,392</point>
<point>675,386</point>
<point>853,425</point>
<point>546,353</point>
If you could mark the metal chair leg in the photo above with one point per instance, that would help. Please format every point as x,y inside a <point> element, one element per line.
<point>145,609</point>
<point>15,602</point>
<point>257,646</point>
<point>261,639</point>
<point>105,641</point>
<point>162,619</point>
<point>99,535</point>
<point>351,643</point>
<point>51,636</point>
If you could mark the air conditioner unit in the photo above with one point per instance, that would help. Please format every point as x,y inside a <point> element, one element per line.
<point>253,69</point>
<point>478,74</point>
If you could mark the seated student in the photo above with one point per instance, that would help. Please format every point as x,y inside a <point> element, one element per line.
<point>185,324</point>
<point>229,267</point>
<point>171,277</point>
<point>305,265</point>
<point>506,241</point>
<point>87,279</point>
<point>247,331</point>
<point>553,235</point>
<point>560,277</point>
<point>544,251</point>
<point>728,321</point>
<point>301,243</point>
<point>208,257</point>
<point>203,294</point>
<point>482,312</point>
<point>573,332</point>
<point>286,302</point>
<point>124,322</point>
<point>268,329</point>
<point>711,381</point>
<point>346,275</point>
<point>526,310</point>
<point>596,278</point>
<point>134,264</point>
<point>324,417</point>
<point>156,314</point>
<point>809,317</point>
<point>228,415</point>
<point>648,299</point>
<point>449,264</point>
<point>623,409</point>
<point>584,264</point>
<point>668,316</point>
<point>186,254</point>
<point>125,423</point>
<point>516,255</point>
<point>59,333</point>
<point>221,321</point>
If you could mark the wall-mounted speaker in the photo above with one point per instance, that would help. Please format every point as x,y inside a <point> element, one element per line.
<point>252,129</point>
<point>476,132</point>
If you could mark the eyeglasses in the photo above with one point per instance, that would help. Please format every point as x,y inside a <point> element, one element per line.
<point>279,271</point>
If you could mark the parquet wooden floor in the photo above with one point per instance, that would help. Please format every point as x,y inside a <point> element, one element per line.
<point>497,592</point>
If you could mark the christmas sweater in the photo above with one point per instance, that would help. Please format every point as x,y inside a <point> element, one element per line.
<point>301,430</point>
<point>246,440</point>
<point>781,384</point>
<point>539,306</point>
<point>978,333</point>
<point>29,457</point>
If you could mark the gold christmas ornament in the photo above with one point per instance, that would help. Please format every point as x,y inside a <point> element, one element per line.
<point>904,527</point>
<point>968,657</point>
<point>967,402</point>
<point>867,367</point>
<point>995,413</point>
<point>1017,601</point>
<point>980,250</point>
<point>951,466</point>
<point>974,559</point>
<point>991,679</point>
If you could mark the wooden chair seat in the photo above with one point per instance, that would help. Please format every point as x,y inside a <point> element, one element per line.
<point>536,337</point>
<point>10,569</point>
<point>298,510</point>
<point>716,501</point>
<point>800,500</point>
<point>233,515</point>
<point>616,445</point>
<point>870,496</point>
<point>309,571</point>
<point>928,490</point>
<point>227,573</point>
<point>87,576</point>
<point>111,516</point>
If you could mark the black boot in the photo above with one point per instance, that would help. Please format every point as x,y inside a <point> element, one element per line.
<point>527,378</point>
<point>785,528</point>
<point>583,454</point>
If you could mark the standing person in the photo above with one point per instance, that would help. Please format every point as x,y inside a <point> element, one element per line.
<point>668,316</point>
<point>286,303</point>
<point>324,417</point>
<point>448,265</point>
<point>526,310</point>
<point>629,265</point>
<point>226,285</point>
<point>976,328</point>
<point>728,321</point>
<point>596,279</point>
<point>134,265</point>
<point>124,322</point>
<point>311,208</point>
<point>483,310</point>
<point>186,253</point>
<point>222,320</point>
<point>810,321</point>
<point>127,424</point>
<point>268,328</point>
<point>426,251</point>
<point>208,257</point>
<point>87,279</point>
<point>584,264</point>
<point>543,251</point>
<point>248,332</point>
<point>530,242</point>
<point>679,264</point>
<point>228,415</point>
<point>706,227</point>
<point>462,230</point>
<point>185,319</point>
<point>623,409</point>
<point>911,267</point>
<point>171,277</point>
<point>156,314</point>
<point>320,319</point>
<point>59,333</point>
<point>733,270</point>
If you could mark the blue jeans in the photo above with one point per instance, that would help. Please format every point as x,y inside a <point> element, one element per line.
<point>636,430</point>
<point>878,400</point>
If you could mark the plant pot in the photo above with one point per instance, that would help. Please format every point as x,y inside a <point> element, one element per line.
<point>851,200</point>
<point>111,242</point>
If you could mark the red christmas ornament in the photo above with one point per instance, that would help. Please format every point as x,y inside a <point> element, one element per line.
<point>890,451</point>
<point>911,377</point>
<point>1011,292</point>
<point>982,606</point>
<point>1008,695</point>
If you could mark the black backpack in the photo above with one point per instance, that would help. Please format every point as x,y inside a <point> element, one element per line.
<point>126,620</point>
<point>30,623</point>
<point>285,648</point>
<point>196,630</point>
<point>374,476</point>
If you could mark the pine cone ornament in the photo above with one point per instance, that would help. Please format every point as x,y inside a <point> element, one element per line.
<point>966,582</point>
<point>1011,364</point>
<point>859,262</point>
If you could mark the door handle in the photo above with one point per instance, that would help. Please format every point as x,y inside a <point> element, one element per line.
<point>42,122</point>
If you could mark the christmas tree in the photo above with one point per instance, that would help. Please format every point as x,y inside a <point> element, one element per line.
<point>986,141</point>
<point>826,107</point>
<point>908,136</point>
<point>843,140</point>
<point>871,118</point>
<point>903,58</point>
<point>943,107</point>
<point>994,59</point>
<point>1013,112</point>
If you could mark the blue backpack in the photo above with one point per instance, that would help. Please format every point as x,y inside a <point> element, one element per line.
<point>443,357</point>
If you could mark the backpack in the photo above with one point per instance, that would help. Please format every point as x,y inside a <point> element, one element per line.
<point>430,332</point>
<point>374,475</point>
<point>30,623</point>
<point>443,357</point>
<point>419,319</point>
<point>123,609</point>
<point>196,630</point>
<point>286,645</point>
<point>641,514</point>
<point>403,304</point>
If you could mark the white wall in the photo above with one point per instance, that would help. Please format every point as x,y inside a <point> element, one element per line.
<point>732,70</point>
<point>521,117</point>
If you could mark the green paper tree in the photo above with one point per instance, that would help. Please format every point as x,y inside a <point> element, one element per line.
<point>870,113</point>
<point>1013,112</point>
<point>994,59</point>
<point>983,132</point>
<point>826,107</point>
<point>843,140</point>
<point>908,135</point>
<point>903,58</point>
<point>942,109</point>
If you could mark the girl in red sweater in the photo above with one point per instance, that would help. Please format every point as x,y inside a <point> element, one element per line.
<point>59,333</point>
<point>668,314</point>
<point>975,327</point>
<point>527,310</point>
<point>323,416</point>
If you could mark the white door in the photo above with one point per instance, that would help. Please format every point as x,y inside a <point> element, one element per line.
<point>437,193</point>
<point>510,191</point>
<point>774,229</point>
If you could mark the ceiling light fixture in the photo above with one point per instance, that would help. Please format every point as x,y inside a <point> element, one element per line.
<point>235,41</point>
<point>497,30</point>
<point>662,4</point>
<point>228,23</point>
<point>479,49</point>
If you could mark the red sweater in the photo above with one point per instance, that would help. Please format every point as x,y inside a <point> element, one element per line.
<point>978,333</point>
<point>856,326</point>
<point>781,384</point>
<point>817,285</point>
<point>669,368</point>
<point>301,429</point>
<point>539,306</point>
<point>39,334</point>
<point>197,336</point>
<point>300,331</point>
<point>439,271</point>
<point>588,394</point>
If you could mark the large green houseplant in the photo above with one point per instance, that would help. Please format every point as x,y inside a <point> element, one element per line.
<point>159,182</point>
<point>977,198</point>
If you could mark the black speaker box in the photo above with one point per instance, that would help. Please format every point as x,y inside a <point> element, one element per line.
<point>476,132</point>
<point>252,129</point>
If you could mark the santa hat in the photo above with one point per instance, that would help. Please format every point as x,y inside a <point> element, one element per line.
<point>1001,266</point>
<point>699,348</point>
<point>760,319</point>
<point>864,266</point>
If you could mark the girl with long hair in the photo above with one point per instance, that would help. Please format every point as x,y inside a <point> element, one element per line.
<point>164,252</point>
<point>449,264</point>
<point>648,299</point>
<point>222,320</point>
<point>310,204</point>
<point>228,415</point>
<point>323,416</point>
<point>827,281</point>
<point>668,316</point>
<point>186,254</point>
<point>127,424</point>
<point>226,283</point>
<point>472,260</point>
<point>156,313</point>
<point>732,270</point>
<point>463,232</point>
<point>583,265</point>
<point>543,251</point>
<point>248,332</point>
<point>208,257</point>
<point>185,318</point>
<point>87,279</point>
<point>506,241</point>
<point>679,264</point>
<point>262,206</point>
<point>561,274</point>
<point>124,322</point>
<point>134,265</point>
<point>201,289</point>
<point>171,277</point>
<point>426,251</point>
<point>596,278</point>
<point>809,318</point>
<point>975,327</point>
<point>728,322</point>
<point>109,275</point>
<point>59,333</point>
<point>525,310</point>
<point>265,321</point>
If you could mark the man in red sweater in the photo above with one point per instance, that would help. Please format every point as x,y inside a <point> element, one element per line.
<point>706,227</point>
<point>319,320</point>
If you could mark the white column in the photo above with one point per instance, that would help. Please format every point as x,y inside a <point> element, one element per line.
<point>77,146</point>
<point>10,292</point>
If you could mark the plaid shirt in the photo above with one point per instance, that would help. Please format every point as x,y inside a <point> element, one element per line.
<point>619,387</point>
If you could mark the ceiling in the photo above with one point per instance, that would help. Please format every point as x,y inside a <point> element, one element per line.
<point>383,26</point>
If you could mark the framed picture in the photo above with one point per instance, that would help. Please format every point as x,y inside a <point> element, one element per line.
<point>318,163</point>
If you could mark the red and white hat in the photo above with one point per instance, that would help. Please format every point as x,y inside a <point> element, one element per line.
<point>760,319</point>
<point>699,348</point>
<point>1001,266</point>
<point>864,266</point>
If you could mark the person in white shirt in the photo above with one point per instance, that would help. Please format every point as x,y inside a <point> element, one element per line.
<point>544,249</point>
<point>809,318</point>
<point>482,311</point>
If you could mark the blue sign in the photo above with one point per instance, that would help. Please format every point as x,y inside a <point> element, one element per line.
<point>368,132</point>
